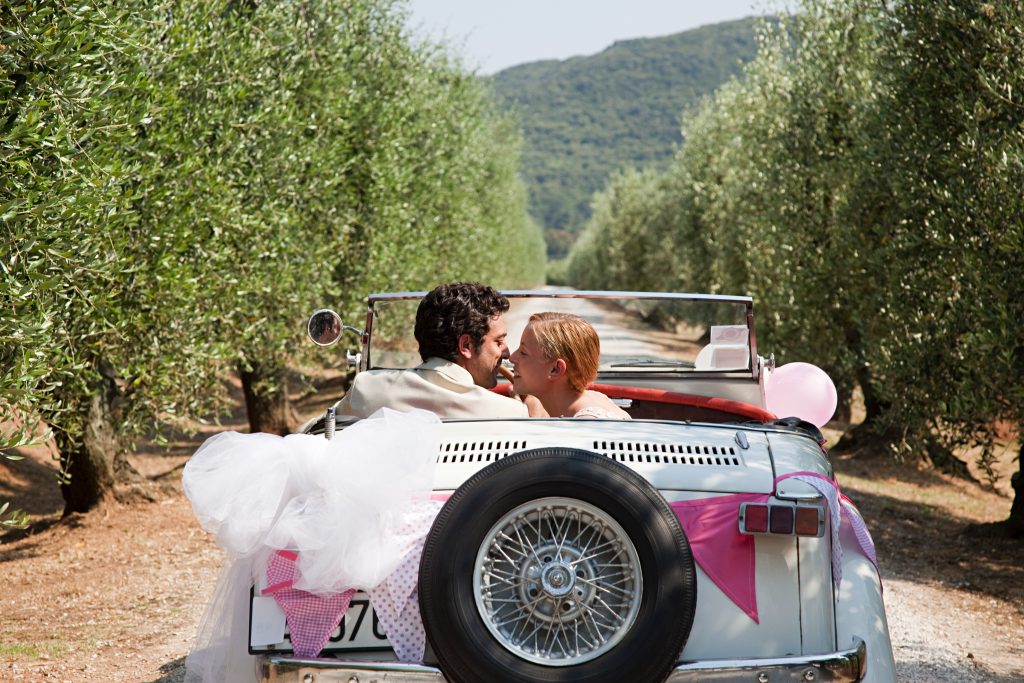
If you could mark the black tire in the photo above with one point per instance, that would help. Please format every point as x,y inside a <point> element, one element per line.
<point>467,648</point>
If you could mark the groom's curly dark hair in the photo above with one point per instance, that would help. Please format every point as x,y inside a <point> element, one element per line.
<point>449,311</point>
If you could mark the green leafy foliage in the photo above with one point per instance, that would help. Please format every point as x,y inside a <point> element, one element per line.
<point>586,118</point>
<point>952,357</point>
<point>184,182</point>
<point>862,181</point>
<point>12,519</point>
<point>71,248</point>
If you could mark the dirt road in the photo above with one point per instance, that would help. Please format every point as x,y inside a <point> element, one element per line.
<point>622,333</point>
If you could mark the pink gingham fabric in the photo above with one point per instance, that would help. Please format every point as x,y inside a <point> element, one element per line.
<point>828,489</point>
<point>860,529</point>
<point>842,512</point>
<point>311,618</point>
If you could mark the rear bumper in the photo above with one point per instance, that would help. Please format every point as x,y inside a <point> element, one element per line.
<point>846,666</point>
<point>279,669</point>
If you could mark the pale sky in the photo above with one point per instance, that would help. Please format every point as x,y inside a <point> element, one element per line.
<point>492,35</point>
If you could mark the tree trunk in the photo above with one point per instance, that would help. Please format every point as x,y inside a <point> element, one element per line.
<point>1015,522</point>
<point>845,390</point>
<point>844,406</point>
<point>866,434</point>
<point>91,461</point>
<point>266,399</point>
<point>873,406</point>
<point>1012,526</point>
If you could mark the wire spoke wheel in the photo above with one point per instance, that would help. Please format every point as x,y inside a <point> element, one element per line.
<point>558,581</point>
<point>556,565</point>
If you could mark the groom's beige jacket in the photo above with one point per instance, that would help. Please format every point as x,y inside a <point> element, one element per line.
<point>437,385</point>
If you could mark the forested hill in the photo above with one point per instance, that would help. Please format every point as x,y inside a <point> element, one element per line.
<point>587,117</point>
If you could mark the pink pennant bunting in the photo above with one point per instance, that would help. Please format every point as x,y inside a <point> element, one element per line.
<point>311,618</point>
<point>725,555</point>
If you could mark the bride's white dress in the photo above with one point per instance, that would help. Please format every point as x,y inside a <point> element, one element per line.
<point>343,504</point>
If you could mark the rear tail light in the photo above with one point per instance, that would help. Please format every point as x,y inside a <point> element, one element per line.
<point>754,518</point>
<point>784,519</point>
<point>810,521</point>
<point>781,519</point>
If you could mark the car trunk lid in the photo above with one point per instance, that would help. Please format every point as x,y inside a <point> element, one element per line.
<point>670,455</point>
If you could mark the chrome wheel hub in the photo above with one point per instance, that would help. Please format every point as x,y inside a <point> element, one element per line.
<point>557,581</point>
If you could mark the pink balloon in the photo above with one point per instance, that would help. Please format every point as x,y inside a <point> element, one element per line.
<point>801,390</point>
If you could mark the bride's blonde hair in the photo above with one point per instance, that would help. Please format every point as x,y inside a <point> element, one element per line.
<point>574,340</point>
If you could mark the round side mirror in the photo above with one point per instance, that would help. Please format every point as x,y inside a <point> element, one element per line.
<point>324,327</point>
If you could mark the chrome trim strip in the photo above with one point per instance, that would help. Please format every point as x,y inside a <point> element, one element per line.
<point>364,363</point>
<point>783,494</point>
<point>580,294</point>
<point>755,367</point>
<point>845,666</point>
<point>731,426</point>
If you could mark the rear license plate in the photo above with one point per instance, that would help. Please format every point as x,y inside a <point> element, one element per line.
<point>359,628</point>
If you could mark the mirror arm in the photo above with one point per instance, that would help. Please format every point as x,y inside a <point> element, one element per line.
<point>330,420</point>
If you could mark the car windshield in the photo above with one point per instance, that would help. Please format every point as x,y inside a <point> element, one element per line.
<point>640,333</point>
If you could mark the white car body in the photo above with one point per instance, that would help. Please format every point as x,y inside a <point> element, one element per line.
<point>809,627</point>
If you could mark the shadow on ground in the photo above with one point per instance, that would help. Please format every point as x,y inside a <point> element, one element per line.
<point>928,543</point>
<point>31,484</point>
<point>171,672</point>
<point>917,673</point>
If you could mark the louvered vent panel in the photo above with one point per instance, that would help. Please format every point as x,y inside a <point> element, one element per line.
<point>484,450</point>
<point>668,453</point>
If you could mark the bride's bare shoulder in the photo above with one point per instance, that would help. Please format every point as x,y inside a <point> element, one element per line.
<point>596,404</point>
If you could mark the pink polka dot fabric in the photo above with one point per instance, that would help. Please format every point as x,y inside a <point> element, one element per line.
<point>395,600</point>
<point>312,618</point>
<point>397,606</point>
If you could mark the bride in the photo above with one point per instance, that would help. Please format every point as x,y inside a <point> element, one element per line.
<point>557,358</point>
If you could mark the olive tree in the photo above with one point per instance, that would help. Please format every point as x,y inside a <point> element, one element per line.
<point>953,126</point>
<point>619,251</point>
<point>804,242</point>
<point>862,179</point>
<point>186,181</point>
<point>103,333</point>
<point>758,201</point>
<point>259,91</point>
<point>337,157</point>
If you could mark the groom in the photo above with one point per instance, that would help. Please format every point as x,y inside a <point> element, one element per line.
<point>461,330</point>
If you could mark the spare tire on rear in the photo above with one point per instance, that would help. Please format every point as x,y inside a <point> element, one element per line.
<point>557,565</point>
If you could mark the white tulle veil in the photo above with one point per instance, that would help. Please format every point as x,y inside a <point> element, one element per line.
<point>336,502</point>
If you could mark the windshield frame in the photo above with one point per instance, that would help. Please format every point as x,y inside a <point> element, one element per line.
<point>748,303</point>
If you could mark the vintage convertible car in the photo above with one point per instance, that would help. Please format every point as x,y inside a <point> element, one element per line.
<point>703,540</point>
